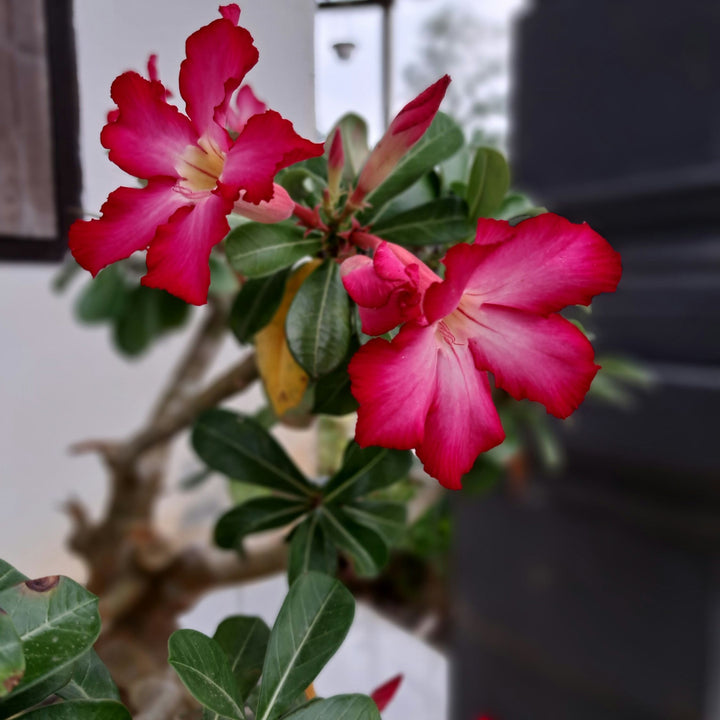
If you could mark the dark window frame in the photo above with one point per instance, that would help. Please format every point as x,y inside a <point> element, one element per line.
<point>64,109</point>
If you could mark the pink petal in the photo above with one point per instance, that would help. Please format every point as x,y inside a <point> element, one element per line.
<point>267,144</point>
<point>130,217</point>
<point>382,695</point>
<point>405,130</point>
<point>280,207</point>
<point>389,289</point>
<point>546,359</point>
<point>147,135</point>
<point>394,384</point>
<point>547,264</point>
<point>363,284</point>
<point>179,255</point>
<point>241,108</point>
<point>462,262</point>
<point>381,302</point>
<point>462,421</point>
<point>230,12</point>
<point>154,75</point>
<point>218,56</point>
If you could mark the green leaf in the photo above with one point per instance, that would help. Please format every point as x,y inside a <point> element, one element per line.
<point>9,576</point>
<point>255,305</point>
<point>257,249</point>
<point>204,668</point>
<point>365,545</point>
<point>223,280</point>
<point>347,707</point>
<point>318,322</point>
<point>333,395</point>
<point>303,185</point>
<point>437,222</point>
<point>241,449</point>
<point>386,518</point>
<point>148,314</point>
<point>431,535</point>
<point>245,641</point>
<point>104,297</point>
<point>90,680</point>
<point>259,514</point>
<point>310,549</point>
<point>489,182</point>
<point>12,658</point>
<point>365,470</point>
<point>310,627</point>
<point>355,144</point>
<point>80,710</point>
<point>441,140</point>
<point>513,205</point>
<point>57,621</point>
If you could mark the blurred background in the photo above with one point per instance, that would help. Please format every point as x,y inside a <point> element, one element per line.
<point>581,582</point>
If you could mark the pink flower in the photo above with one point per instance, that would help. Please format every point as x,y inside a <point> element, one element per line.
<point>495,311</point>
<point>405,130</point>
<point>195,171</point>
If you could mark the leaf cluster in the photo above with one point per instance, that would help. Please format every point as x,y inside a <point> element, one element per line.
<point>48,668</point>
<point>340,515</point>
<point>222,672</point>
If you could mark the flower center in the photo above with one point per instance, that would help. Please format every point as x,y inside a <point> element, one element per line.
<point>200,166</point>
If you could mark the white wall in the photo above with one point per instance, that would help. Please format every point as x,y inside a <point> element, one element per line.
<point>61,382</point>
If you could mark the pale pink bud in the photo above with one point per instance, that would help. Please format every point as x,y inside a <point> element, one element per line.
<point>405,130</point>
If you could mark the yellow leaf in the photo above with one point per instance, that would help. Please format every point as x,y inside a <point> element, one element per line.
<point>285,381</point>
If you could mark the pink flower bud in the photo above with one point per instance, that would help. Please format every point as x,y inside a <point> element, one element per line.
<point>336,162</point>
<point>405,130</point>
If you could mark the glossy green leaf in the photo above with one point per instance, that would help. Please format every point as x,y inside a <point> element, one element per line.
<point>104,297</point>
<point>347,707</point>
<point>259,514</point>
<point>312,623</point>
<point>365,545</point>
<point>355,144</point>
<point>365,470</point>
<point>333,395</point>
<point>12,658</point>
<point>387,518</point>
<point>80,710</point>
<point>90,680</point>
<point>257,249</point>
<point>255,305</point>
<point>438,222</point>
<point>311,549</point>
<point>303,185</point>
<point>441,140</point>
<point>223,281</point>
<point>9,576</point>
<point>205,670</point>
<point>240,448</point>
<point>317,326</point>
<point>245,641</point>
<point>514,204</point>
<point>489,182</point>
<point>57,621</point>
<point>148,314</point>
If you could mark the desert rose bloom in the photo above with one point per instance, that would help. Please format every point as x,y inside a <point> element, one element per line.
<point>495,311</point>
<point>196,170</point>
<point>405,130</point>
